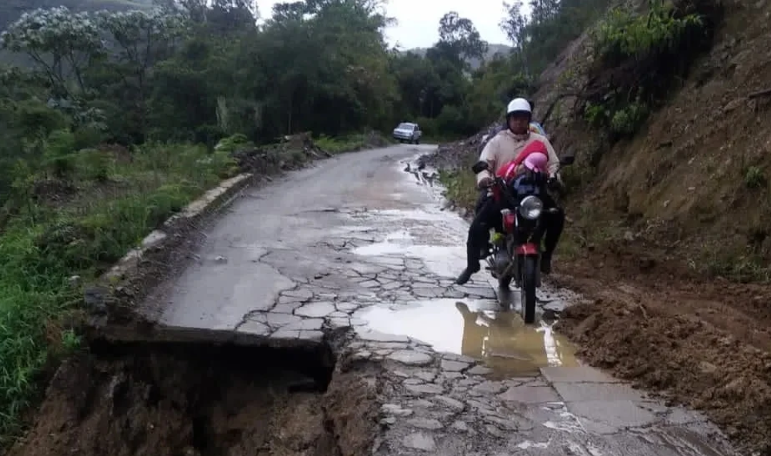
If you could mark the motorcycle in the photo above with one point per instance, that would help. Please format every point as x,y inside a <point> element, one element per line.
<point>515,254</point>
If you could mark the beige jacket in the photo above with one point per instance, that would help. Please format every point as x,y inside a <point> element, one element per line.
<point>505,146</point>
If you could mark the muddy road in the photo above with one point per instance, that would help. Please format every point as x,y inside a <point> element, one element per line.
<point>320,318</point>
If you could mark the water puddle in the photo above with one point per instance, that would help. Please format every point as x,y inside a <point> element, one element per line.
<point>475,329</point>
<point>442,260</point>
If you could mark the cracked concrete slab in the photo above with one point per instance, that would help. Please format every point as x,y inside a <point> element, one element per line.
<point>460,377</point>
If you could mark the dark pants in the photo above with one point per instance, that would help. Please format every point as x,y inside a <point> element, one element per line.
<point>488,215</point>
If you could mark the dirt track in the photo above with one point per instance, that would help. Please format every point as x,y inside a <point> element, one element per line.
<point>707,345</point>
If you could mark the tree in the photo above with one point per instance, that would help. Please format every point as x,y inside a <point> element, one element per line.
<point>142,39</point>
<point>59,42</point>
<point>460,35</point>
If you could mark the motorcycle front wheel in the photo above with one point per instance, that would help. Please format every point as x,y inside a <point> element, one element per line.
<point>527,289</point>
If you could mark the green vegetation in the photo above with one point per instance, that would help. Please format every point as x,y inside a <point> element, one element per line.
<point>343,144</point>
<point>461,187</point>
<point>637,55</point>
<point>92,207</point>
<point>755,178</point>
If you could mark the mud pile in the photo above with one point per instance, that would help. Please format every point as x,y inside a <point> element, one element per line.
<point>198,399</point>
<point>704,345</point>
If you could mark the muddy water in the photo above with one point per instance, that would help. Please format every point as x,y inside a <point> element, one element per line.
<point>476,329</point>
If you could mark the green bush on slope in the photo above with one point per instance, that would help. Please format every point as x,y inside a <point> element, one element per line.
<point>636,57</point>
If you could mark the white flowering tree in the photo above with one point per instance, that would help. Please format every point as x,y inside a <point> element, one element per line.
<point>143,37</point>
<point>60,42</point>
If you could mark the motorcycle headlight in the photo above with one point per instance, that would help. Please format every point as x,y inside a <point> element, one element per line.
<point>531,207</point>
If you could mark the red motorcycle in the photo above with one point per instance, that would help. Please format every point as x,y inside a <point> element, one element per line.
<point>516,253</point>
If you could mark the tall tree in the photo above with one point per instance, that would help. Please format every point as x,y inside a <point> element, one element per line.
<point>461,36</point>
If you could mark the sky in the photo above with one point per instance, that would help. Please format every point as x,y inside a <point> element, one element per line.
<point>418,20</point>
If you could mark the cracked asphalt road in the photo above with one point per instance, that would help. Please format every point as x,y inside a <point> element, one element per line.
<point>357,242</point>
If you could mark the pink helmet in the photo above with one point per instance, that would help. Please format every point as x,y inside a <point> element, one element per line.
<point>536,162</point>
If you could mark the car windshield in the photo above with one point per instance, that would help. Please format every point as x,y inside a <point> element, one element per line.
<point>404,126</point>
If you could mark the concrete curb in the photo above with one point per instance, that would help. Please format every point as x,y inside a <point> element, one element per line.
<point>113,299</point>
<point>212,201</point>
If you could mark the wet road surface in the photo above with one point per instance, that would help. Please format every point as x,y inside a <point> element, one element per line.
<point>357,242</point>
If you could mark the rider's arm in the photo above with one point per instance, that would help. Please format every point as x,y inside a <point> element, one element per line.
<point>554,161</point>
<point>490,155</point>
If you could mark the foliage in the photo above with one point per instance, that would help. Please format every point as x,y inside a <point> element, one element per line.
<point>537,41</point>
<point>552,24</point>
<point>460,187</point>
<point>341,145</point>
<point>60,42</point>
<point>47,243</point>
<point>636,57</point>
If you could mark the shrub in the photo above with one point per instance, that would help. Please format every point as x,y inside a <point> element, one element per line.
<point>59,154</point>
<point>636,57</point>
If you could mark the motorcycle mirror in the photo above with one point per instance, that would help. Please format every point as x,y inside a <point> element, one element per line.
<point>480,166</point>
<point>567,160</point>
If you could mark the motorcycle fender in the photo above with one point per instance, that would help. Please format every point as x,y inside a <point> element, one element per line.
<point>527,249</point>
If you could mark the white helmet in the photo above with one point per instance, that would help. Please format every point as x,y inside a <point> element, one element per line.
<point>518,105</point>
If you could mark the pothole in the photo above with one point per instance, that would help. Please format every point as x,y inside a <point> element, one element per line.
<point>198,399</point>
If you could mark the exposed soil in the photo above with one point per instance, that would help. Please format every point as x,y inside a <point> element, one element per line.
<point>203,400</point>
<point>704,344</point>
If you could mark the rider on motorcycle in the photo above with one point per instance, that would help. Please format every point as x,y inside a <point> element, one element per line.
<point>512,146</point>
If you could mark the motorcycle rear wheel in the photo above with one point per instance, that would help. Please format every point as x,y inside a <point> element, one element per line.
<point>527,289</point>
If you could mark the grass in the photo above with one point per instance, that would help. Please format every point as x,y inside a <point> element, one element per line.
<point>47,244</point>
<point>342,144</point>
<point>460,185</point>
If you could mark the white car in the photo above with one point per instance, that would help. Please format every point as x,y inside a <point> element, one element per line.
<point>408,132</point>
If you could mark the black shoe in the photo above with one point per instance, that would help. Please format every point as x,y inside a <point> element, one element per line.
<point>465,276</point>
<point>546,263</point>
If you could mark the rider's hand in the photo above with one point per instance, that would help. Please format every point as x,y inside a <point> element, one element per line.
<point>485,182</point>
<point>554,183</point>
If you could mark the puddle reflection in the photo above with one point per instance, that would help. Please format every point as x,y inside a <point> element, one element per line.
<point>478,330</point>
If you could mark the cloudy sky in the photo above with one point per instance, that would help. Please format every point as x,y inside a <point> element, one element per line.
<point>418,20</point>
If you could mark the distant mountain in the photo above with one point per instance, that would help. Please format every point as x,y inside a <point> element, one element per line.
<point>492,49</point>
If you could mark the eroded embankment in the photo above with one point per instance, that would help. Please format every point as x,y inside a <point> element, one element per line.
<point>202,399</point>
